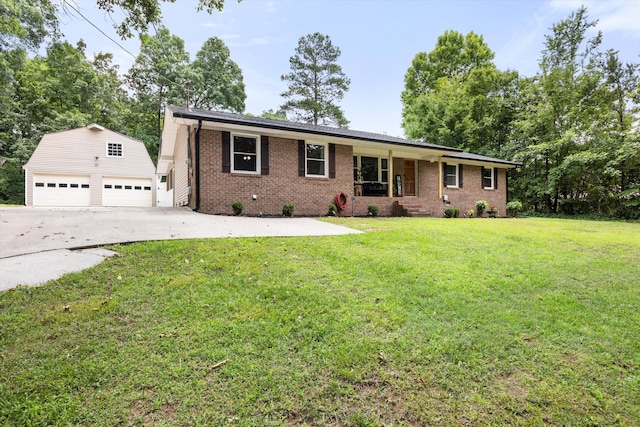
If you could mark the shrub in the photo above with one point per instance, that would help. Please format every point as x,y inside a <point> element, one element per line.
<point>373,210</point>
<point>333,210</point>
<point>470,213</point>
<point>452,212</point>
<point>287,209</point>
<point>513,208</point>
<point>237,208</point>
<point>481,205</point>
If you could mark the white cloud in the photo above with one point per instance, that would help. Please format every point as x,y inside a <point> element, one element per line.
<point>612,15</point>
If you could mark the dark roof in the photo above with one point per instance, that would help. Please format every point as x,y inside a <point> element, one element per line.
<point>479,158</point>
<point>237,119</point>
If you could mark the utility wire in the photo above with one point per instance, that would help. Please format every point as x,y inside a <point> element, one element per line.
<point>67,4</point>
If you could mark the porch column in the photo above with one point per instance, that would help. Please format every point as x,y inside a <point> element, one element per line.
<point>440,177</point>
<point>390,178</point>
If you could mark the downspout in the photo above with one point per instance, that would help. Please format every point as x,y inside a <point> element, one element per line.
<point>197,166</point>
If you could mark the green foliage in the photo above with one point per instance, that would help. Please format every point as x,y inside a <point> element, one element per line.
<point>287,209</point>
<point>11,183</point>
<point>274,115</point>
<point>574,132</point>
<point>481,205</point>
<point>452,212</point>
<point>513,208</point>
<point>316,82</point>
<point>531,322</point>
<point>629,204</point>
<point>237,207</point>
<point>455,96</point>
<point>333,210</point>
<point>215,80</point>
<point>470,213</point>
<point>139,14</point>
<point>373,210</point>
<point>26,23</point>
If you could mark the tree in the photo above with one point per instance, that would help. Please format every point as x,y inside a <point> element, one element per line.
<point>141,13</point>
<point>455,96</point>
<point>574,131</point>
<point>216,81</point>
<point>159,76</point>
<point>316,82</point>
<point>454,56</point>
<point>26,23</point>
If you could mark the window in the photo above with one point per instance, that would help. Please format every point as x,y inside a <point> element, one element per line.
<point>384,170</point>
<point>39,184</point>
<point>451,175</point>
<point>62,185</point>
<point>85,185</point>
<point>114,149</point>
<point>487,178</point>
<point>246,156</point>
<point>316,160</point>
<point>108,186</point>
<point>51,184</point>
<point>371,169</point>
<point>73,185</point>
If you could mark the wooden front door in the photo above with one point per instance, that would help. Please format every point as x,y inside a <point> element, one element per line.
<point>409,177</point>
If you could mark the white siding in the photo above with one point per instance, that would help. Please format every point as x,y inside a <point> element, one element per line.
<point>83,152</point>
<point>181,168</point>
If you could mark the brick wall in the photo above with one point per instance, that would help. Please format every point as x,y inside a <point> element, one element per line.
<point>465,198</point>
<point>310,196</point>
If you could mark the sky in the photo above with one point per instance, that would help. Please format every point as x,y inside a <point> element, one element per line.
<point>378,40</point>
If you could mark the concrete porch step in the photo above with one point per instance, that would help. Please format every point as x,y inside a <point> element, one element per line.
<point>410,208</point>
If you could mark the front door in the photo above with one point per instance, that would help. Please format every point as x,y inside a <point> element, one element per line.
<point>409,177</point>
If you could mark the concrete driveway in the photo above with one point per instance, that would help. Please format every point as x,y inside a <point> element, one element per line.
<point>38,239</point>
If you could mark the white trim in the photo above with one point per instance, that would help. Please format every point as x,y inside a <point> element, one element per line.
<point>325,160</point>
<point>258,149</point>
<point>457,185</point>
<point>106,148</point>
<point>493,185</point>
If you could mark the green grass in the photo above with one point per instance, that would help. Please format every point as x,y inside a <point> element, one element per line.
<point>416,322</point>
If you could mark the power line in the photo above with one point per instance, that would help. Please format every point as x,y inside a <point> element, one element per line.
<point>66,4</point>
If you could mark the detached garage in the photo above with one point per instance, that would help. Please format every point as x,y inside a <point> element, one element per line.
<point>89,166</point>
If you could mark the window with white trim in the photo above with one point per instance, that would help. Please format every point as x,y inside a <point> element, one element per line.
<point>114,149</point>
<point>245,153</point>
<point>371,169</point>
<point>487,178</point>
<point>316,160</point>
<point>451,175</point>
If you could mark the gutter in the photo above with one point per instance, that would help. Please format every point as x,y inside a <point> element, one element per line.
<point>197,166</point>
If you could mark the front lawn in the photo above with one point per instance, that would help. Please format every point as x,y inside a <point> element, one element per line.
<point>416,322</point>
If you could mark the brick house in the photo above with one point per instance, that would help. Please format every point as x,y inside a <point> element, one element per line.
<point>211,159</point>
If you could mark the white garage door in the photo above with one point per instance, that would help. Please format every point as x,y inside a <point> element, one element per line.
<point>61,190</point>
<point>126,192</point>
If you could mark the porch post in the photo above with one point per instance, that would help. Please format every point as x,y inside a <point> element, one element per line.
<point>390,178</point>
<point>440,177</point>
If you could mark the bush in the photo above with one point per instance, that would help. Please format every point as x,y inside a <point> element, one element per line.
<point>333,210</point>
<point>452,212</point>
<point>287,209</point>
<point>513,208</point>
<point>373,210</point>
<point>237,208</point>
<point>470,213</point>
<point>481,205</point>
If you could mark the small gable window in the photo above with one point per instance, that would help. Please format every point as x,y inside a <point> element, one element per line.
<point>114,149</point>
<point>246,155</point>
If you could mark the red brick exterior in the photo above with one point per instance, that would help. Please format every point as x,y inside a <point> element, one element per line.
<point>312,196</point>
